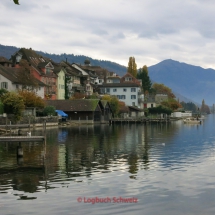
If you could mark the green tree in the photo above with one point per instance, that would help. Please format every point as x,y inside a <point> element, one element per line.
<point>49,110</point>
<point>205,108</point>
<point>2,92</point>
<point>146,82</point>
<point>16,1</point>
<point>13,104</point>
<point>132,67</point>
<point>114,103</point>
<point>160,109</point>
<point>189,106</point>
<point>1,108</point>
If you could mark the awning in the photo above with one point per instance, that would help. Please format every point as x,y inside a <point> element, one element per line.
<point>61,113</point>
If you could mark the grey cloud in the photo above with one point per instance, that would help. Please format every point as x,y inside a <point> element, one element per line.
<point>99,31</point>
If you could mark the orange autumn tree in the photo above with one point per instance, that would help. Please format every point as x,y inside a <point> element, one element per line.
<point>31,99</point>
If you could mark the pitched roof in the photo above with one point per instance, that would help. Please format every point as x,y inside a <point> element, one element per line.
<point>12,74</point>
<point>37,61</point>
<point>135,109</point>
<point>75,105</point>
<point>120,85</point>
<point>4,60</point>
<point>134,80</point>
<point>114,77</point>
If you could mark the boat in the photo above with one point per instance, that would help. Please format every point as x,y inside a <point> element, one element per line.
<point>192,121</point>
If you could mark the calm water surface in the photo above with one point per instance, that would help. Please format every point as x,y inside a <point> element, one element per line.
<point>167,168</point>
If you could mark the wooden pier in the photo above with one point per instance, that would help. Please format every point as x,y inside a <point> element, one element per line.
<point>22,138</point>
<point>143,120</point>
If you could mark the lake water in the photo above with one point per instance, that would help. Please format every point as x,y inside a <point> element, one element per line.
<point>119,169</point>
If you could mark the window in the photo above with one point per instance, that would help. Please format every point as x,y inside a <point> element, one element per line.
<point>151,105</point>
<point>17,86</point>
<point>4,85</point>
<point>128,79</point>
<point>48,71</point>
<point>133,96</point>
<point>115,90</point>
<point>133,103</point>
<point>118,96</point>
<point>108,90</point>
<point>123,96</point>
<point>100,81</point>
<point>124,90</point>
<point>133,89</point>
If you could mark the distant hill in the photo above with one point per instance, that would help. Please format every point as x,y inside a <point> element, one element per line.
<point>7,51</point>
<point>190,81</point>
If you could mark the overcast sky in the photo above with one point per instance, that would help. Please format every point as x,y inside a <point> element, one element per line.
<point>149,30</point>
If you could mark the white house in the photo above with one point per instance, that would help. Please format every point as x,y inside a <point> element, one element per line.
<point>126,92</point>
<point>9,80</point>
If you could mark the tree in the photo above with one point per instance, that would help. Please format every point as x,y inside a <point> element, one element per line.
<point>161,88</point>
<point>205,108</point>
<point>159,110</point>
<point>2,92</point>
<point>189,106</point>
<point>171,104</point>
<point>146,82</point>
<point>114,103</point>
<point>132,67</point>
<point>13,104</point>
<point>31,99</point>
<point>16,1</point>
<point>49,110</point>
<point>1,108</point>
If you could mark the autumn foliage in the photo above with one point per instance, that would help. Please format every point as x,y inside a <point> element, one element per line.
<point>31,99</point>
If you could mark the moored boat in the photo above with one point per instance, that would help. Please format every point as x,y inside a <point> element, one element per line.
<point>192,121</point>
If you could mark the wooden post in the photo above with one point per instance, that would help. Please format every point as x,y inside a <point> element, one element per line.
<point>19,150</point>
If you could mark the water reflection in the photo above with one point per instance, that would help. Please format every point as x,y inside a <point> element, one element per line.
<point>84,151</point>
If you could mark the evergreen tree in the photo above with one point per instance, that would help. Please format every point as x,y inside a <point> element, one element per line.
<point>132,67</point>
<point>146,82</point>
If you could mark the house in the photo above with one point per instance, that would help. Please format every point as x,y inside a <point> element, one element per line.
<point>61,73</point>
<point>154,100</point>
<point>106,111</point>
<point>40,67</point>
<point>5,62</point>
<point>83,110</point>
<point>126,92</point>
<point>129,78</point>
<point>73,79</point>
<point>135,112</point>
<point>113,79</point>
<point>11,80</point>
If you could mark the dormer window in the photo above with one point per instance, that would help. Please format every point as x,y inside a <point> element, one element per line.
<point>128,79</point>
<point>18,58</point>
<point>48,71</point>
